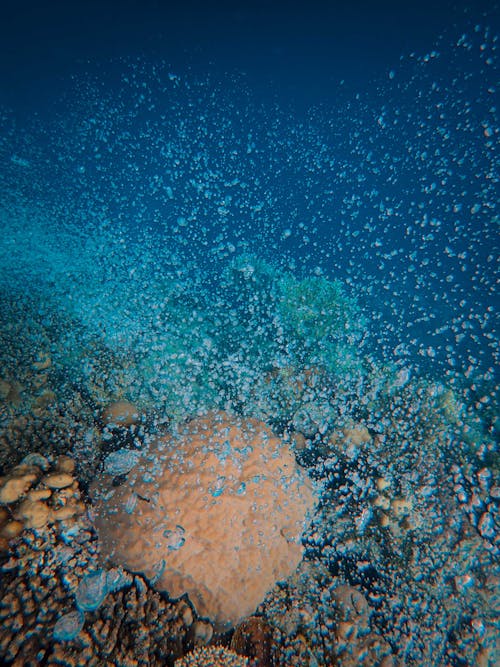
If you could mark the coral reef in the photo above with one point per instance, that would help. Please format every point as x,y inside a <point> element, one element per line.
<point>39,623</point>
<point>215,510</point>
<point>388,541</point>
<point>248,387</point>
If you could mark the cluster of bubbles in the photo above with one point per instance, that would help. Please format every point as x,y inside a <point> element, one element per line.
<point>393,192</point>
<point>90,594</point>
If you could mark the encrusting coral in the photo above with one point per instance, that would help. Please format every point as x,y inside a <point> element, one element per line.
<point>215,510</point>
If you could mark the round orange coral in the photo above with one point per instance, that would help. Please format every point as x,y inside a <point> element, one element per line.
<point>215,510</point>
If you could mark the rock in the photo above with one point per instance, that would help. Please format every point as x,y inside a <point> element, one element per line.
<point>5,389</point>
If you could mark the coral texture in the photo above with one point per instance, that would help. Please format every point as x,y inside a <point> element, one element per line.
<point>211,656</point>
<point>133,627</point>
<point>215,510</point>
<point>32,498</point>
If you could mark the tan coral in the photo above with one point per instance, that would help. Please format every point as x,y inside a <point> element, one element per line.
<point>357,434</point>
<point>65,464</point>
<point>11,529</point>
<point>215,511</point>
<point>39,494</point>
<point>352,438</point>
<point>211,656</point>
<point>67,512</point>
<point>120,413</point>
<point>58,480</point>
<point>34,514</point>
<point>353,618</point>
<point>16,485</point>
<point>25,499</point>
<point>134,625</point>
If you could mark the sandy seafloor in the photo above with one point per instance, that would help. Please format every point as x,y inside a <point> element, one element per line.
<point>170,242</point>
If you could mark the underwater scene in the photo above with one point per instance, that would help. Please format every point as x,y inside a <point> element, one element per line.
<point>249,369</point>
